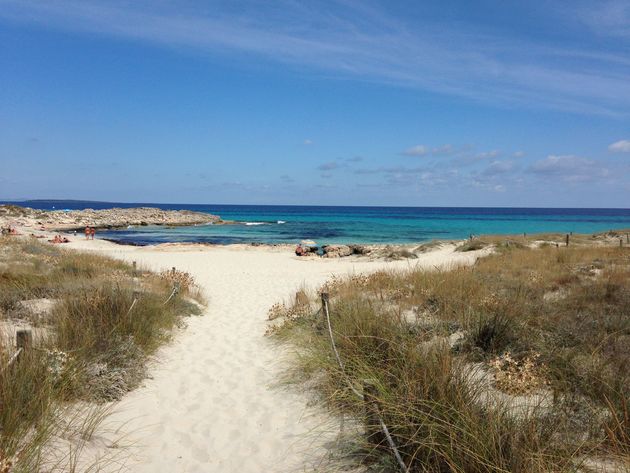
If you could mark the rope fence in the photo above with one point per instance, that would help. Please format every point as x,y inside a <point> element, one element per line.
<point>175,292</point>
<point>24,338</point>
<point>14,357</point>
<point>369,395</point>
<point>133,304</point>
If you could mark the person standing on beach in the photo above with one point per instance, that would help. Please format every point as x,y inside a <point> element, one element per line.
<point>87,232</point>
<point>93,232</point>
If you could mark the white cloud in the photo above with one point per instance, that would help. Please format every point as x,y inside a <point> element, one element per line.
<point>308,142</point>
<point>518,154</point>
<point>363,41</point>
<point>611,17</point>
<point>621,146</point>
<point>469,158</point>
<point>488,154</point>
<point>329,166</point>
<point>498,168</point>
<point>421,150</point>
<point>444,149</point>
<point>390,170</point>
<point>418,150</point>
<point>569,168</point>
<point>287,179</point>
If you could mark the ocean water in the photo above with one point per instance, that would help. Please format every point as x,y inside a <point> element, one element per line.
<point>290,224</point>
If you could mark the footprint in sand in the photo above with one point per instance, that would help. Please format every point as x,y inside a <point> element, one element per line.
<point>200,454</point>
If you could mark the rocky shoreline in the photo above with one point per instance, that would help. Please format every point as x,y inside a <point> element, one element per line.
<point>60,220</point>
<point>388,252</point>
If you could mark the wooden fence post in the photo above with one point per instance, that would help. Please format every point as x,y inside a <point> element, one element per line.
<point>567,239</point>
<point>373,431</point>
<point>628,238</point>
<point>23,339</point>
<point>325,299</point>
<point>620,242</point>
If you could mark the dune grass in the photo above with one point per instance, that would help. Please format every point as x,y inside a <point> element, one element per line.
<point>92,346</point>
<point>520,363</point>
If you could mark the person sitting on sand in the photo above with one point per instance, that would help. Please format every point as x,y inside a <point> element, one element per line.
<point>59,239</point>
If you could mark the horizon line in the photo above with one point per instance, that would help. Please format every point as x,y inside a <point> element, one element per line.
<point>3,201</point>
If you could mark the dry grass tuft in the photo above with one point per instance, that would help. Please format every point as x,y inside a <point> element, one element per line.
<point>182,278</point>
<point>559,366</point>
<point>93,345</point>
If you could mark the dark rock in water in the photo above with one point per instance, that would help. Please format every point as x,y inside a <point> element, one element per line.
<point>336,251</point>
<point>125,242</point>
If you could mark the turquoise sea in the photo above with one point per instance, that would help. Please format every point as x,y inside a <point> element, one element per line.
<point>290,224</point>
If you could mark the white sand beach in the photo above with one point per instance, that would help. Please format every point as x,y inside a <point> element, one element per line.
<point>210,404</point>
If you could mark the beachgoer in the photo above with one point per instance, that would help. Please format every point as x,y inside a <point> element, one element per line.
<point>87,232</point>
<point>92,232</point>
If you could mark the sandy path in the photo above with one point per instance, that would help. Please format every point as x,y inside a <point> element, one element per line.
<point>210,405</point>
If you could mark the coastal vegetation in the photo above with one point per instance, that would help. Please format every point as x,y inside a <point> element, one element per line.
<point>95,322</point>
<point>519,363</point>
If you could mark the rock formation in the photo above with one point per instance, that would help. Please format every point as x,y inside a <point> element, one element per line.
<point>106,218</point>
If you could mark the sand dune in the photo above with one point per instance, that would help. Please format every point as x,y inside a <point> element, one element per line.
<point>211,404</point>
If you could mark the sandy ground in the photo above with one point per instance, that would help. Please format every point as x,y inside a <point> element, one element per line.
<point>212,403</point>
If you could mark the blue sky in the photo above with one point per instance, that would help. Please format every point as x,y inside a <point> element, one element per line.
<point>492,102</point>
